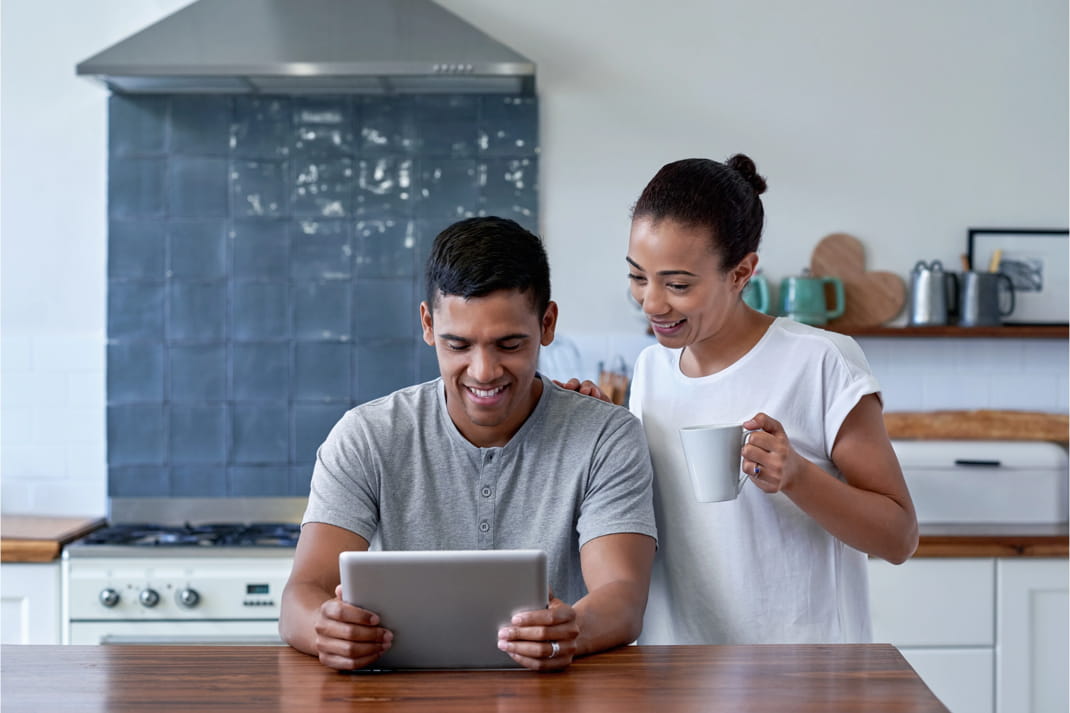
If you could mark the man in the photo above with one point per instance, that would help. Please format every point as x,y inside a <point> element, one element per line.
<point>491,455</point>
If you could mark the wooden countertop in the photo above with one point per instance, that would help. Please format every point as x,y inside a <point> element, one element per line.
<point>37,538</point>
<point>667,679</point>
<point>994,541</point>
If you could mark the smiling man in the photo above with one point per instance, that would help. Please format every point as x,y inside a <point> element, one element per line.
<point>491,455</point>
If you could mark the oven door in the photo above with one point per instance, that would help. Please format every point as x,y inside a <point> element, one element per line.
<point>176,633</point>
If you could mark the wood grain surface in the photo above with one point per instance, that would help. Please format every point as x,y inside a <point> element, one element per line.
<point>36,538</point>
<point>981,424</point>
<point>871,297</point>
<point>994,540</point>
<point>667,679</point>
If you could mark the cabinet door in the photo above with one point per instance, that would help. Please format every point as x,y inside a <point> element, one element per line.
<point>1031,628</point>
<point>960,678</point>
<point>30,603</point>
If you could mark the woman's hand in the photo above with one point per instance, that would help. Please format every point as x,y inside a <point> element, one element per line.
<point>587,388</point>
<point>768,457</point>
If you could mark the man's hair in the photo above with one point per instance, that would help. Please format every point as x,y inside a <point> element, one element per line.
<point>477,256</point>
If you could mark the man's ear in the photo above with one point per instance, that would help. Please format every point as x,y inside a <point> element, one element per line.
<point>549,324</point>
<point>426,323</point>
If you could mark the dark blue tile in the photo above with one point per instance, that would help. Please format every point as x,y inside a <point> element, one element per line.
<point>258,311</point>
<point>199,481</point>
<point>258,189</point>
<point>320,250</point>
<point>261,127</point>
<point>385,248</point>
<point>136,187</point>
<point>426,232</point>
<point>508,125</point>
<point>136,124</point>
<point>321,310</point>
<point>449,188</point>
<point>197,249</point>
<point>323,127</point>
<point>260,248</point>
<point>388,125</point>
<point>426,363</point>
<point>198,373</point>
<point>312,423</point>
<point>322,188</point>
<point>447,124</point>
<point>258,481</point>
<point>384,188</point>
<point>510,190</point>
<point>382,368</point>
<point>200,125</point>
<point>135,372</point>
<point>136,434</point>
<point>260,372</point>
<point>385,309</point>
<point>138,481</point>
<point>259,433</point>
<point>321,371</point>
<point>196,311</point>
<point>300,480</point>
<point>199,187</point>
<point>135,310</point>
<point>198,434</point>
<point>136,249</point>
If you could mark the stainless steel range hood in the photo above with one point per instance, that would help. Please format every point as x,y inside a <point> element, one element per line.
<point>311,46</point>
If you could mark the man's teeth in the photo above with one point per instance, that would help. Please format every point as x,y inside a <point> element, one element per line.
<point>486,393</point>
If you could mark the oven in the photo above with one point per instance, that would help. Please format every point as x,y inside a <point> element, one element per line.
<point>173,572</point>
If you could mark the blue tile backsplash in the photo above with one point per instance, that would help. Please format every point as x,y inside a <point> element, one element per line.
<point>265,264</point>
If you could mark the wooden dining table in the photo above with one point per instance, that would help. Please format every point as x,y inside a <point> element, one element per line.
<point>664,679</point>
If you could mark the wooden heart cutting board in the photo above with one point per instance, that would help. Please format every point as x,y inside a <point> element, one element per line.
<point>871,297</point>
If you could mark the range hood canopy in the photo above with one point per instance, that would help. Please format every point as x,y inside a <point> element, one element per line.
<point>311,46</point>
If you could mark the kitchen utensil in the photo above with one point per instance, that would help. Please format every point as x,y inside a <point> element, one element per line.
<point>985,298</point>
<point>714,460</point>
<point>933,294</point>
<point>873,297</point>
<point>756,292</point>
<point>804,298</point>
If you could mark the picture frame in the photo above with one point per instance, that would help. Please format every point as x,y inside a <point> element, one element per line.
<point>1038,264</point>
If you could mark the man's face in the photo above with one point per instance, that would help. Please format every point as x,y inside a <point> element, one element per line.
<point>488,350</point>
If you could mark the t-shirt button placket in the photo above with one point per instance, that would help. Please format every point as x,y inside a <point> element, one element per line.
<point>484,526</point>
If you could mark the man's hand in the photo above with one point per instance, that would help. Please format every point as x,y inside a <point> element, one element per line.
<point>348,637</point>
<point>542,640</point>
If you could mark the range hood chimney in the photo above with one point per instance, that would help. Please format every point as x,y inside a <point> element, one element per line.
<point>311,46</point>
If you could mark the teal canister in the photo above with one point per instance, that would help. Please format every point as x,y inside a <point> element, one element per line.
<point>805,299</point>
<point>756,293</point>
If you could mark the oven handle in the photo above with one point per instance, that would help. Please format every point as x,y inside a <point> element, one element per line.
<point>178,640</point>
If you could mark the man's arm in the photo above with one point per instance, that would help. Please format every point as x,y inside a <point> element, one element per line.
<point>314,619</point>
<point>616,570</point>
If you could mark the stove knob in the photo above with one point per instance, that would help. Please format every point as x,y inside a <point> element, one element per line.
<point>109,597</point>
<point>149,597</point>
<point>188,597</point>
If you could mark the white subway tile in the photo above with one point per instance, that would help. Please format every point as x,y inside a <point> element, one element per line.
<point>33,462</point>
<point>16,353</point>
<point>71,498</point>
<point>68,353</point>
<point>16,425</point>
<point>1029,392</point>
<point>87,388</point>
<point>87,461</point>
<point>16,494</point>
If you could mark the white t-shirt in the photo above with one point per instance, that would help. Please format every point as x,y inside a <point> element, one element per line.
<point>757,569</point>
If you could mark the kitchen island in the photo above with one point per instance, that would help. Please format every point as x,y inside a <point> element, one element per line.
<point>799,678</point>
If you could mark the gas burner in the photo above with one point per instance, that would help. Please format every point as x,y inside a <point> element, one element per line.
<point>269,534</point>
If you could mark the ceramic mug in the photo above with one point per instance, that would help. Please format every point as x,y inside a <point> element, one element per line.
<point>803,299</point>
<point>756,293</point>
<point>715,460</point>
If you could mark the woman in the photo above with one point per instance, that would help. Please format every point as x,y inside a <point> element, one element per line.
<point>785,562</point>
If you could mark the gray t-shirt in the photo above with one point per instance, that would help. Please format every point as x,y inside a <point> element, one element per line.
<point>397,472</point>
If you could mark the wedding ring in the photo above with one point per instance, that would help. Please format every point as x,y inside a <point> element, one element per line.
<point>757,470</point>
<point>555,648</point>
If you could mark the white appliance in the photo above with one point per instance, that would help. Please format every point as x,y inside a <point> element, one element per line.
<point>186,582</point>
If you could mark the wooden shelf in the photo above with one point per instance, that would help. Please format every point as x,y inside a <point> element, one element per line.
<point>1002,332</point>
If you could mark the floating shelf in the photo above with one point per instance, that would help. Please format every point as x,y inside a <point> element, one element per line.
<point>1061,331</point>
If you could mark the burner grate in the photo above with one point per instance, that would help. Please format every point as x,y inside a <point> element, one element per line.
<point>257,534</point>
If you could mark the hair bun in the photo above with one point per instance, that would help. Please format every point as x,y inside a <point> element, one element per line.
<point>746,168</point>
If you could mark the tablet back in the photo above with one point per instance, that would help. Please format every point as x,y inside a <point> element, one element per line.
<point>445,607</point>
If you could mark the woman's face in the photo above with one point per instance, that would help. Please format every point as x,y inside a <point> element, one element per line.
<point>678,281</point>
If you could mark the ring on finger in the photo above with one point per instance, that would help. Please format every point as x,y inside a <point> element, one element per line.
<point>555,649</point>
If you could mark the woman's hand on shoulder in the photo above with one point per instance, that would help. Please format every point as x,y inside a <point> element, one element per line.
<point>585,387</point>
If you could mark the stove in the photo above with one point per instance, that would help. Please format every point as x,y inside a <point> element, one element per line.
<point>181,571</point>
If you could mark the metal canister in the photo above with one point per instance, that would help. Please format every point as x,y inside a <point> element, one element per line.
<point>933,294</point>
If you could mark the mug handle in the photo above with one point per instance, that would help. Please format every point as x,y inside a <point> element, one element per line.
<point>743,477</point>
<point>840,302</point>
<point>763,296</point>
<point>1010,291</point>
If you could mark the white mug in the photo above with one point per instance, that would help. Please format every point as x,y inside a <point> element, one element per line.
<point>715,460</point>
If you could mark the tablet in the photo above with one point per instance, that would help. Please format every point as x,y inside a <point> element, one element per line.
<point>445,607</point>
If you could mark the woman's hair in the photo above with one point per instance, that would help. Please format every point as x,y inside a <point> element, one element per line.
<point>701,193</point>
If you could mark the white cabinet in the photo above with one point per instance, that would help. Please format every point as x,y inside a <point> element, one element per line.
<point>986,635</point>
<point>30,603</point>
<point>1032,626</point>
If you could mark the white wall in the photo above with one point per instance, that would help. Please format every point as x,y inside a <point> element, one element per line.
<point>901,123</point>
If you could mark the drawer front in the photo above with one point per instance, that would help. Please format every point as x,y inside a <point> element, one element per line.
<point>933,602</point>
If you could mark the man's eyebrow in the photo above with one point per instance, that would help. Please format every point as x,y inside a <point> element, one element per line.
<point>505,338</point>
<point>666,273</point>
